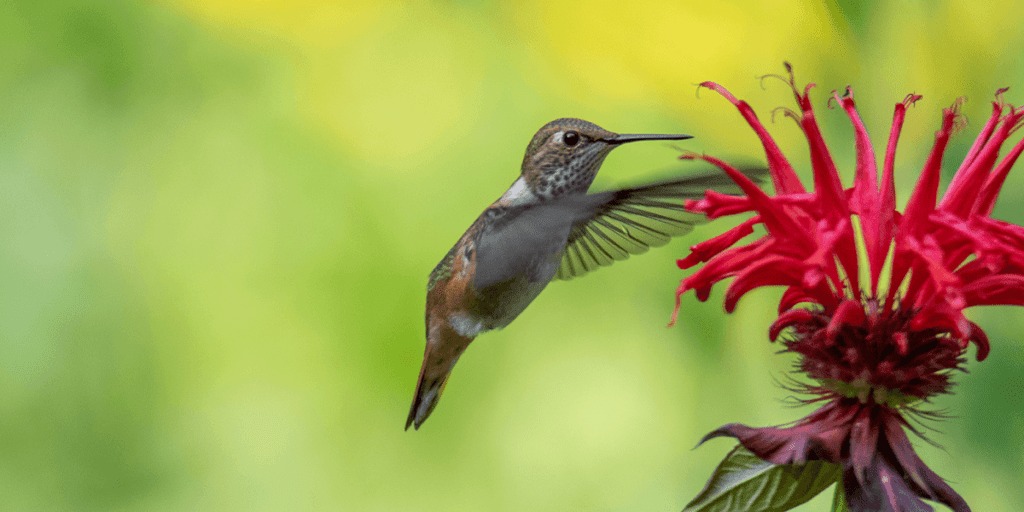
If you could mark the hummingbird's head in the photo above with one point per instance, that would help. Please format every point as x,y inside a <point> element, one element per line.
<point>565,155</point>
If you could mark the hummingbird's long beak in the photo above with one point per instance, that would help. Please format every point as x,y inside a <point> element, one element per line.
<point>634,137</point>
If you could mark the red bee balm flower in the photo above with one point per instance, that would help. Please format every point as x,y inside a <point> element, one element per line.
<point>878,347</point>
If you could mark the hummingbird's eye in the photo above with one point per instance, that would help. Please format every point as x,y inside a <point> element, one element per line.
<point>571,138</point>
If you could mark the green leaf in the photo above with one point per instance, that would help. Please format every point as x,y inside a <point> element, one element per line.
<point>839,499</point>
<point>743,482</point>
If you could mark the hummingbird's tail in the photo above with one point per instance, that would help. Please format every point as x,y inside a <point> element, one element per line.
<point>444,346</point>
<point>427,396</point>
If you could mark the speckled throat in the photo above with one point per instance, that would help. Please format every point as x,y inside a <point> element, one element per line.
<point>557,174</point>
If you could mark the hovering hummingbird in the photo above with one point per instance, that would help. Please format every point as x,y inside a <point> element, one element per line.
<point>544,227</point>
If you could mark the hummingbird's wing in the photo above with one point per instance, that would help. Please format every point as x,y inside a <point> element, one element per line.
<point>594,229</point>
<point>619,223</point>
<point>518,240</point>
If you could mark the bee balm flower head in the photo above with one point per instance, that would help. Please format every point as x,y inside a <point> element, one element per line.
<point>876,339</point>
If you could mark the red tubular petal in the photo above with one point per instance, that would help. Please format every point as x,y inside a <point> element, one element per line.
<point>865,198</point>
<point>973,270</point>
<point>832,242</point>
<point>846,251</point>
<point>918,282</point>
<point>924,255</point>
<point>964,190</point>
<point>715,204</point>
<point>886,228</point>
<point>930,271</point>
<point>979,338</point>
<point>729,263</point>
<point>702,295</point>
<point>783,177</point>
<point>775,220</point>
<point>959,239</point>
<point>787,319</point>
<point>899,114</point>
<point>922,200</point>
<point>983,136</point>
<point>865,187</point>
<point>997,229</point>
<point>718,268</point>
<point>768,271</point>
<point>987,200</point>
<point>1003,289</point>
<point>827,185</point>
<point>902,260</point>
<point>804,202</point>
<point>795,295</point>
<point>826,179</point>
<point>943,319</point>
<point>709,248</point>
<point>849,312</point>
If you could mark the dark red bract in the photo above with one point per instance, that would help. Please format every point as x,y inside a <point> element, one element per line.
<point>876,340</point>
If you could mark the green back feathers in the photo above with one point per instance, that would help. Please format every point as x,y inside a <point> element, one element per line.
<point>442,270</point>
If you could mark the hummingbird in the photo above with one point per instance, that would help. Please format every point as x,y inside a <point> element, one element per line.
<point>544,227</point>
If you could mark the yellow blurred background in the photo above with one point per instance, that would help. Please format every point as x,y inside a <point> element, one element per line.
<point>217,219</point>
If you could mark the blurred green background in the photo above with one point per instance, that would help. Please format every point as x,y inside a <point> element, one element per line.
<point>217,219</point>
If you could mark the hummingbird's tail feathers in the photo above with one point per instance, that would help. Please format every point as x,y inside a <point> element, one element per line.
<point>444,347</point>
<point>428,394</point>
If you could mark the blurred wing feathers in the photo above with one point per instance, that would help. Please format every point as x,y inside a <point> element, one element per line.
<point>615,224</point>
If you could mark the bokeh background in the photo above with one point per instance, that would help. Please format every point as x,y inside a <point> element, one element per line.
<point>217,219</point>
